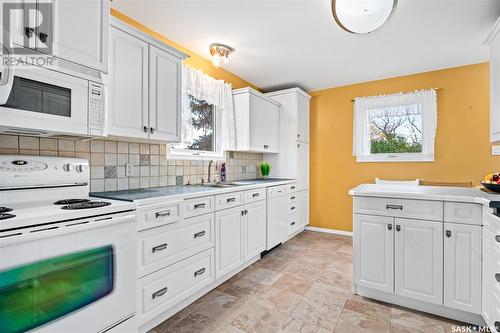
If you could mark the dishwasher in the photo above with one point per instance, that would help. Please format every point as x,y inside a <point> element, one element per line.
<point>277,215</point>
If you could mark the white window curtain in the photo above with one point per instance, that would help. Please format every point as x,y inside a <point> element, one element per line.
<point>216,92</point>
<point>428,103</point>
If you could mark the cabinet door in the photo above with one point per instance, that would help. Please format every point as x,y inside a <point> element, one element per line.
<point>303,207</point>
<point>228,240</point>
<point>494,93</point>
<point>164,96</point>
<point>302,118</point>
<point>128,116</point>
<point>22,16</point>
<point>255,229</point>
<point>488,280</point>
<point>80,32</point>
<point>302,166</point>
<point>272,124</point>
<point>462,267</point>
<point>259,118</point>
<point>419,260</point>
<point>374,252</point>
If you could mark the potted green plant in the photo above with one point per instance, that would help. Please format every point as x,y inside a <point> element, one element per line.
<point>265,169</point>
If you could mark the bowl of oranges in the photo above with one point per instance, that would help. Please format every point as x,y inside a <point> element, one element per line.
<point>492,182</point>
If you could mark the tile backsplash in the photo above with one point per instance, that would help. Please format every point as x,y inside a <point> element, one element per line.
<point>148,163</point>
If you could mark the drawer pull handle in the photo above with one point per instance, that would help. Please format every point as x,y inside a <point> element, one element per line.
<point>255,195</point>
<point>230,200</point>
<point>497,277</point>
<point>396,207</point>
<point>199,234</point>
<point>292,224</point>
<point>163,214</point>
<point>292,208</point>
<point>200,205</point>
<point>293,187</point>
<point>398,228</point>
<point>497,238</point>
<point>292,198</point>
<point>160,292</point>
<point>389,226</point>
<point>159,247</point>
<point>199,272</point>
<point>448,233</point>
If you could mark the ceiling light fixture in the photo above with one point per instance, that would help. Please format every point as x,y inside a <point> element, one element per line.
<point>218,51</point>
<point>362,16</point>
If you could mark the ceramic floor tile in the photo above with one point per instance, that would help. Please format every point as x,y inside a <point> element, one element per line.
<point>368,307</point>
<point>196,322</point>
<point>263,276</point>
<point>354,322</point>
<point>325,294</point>
<point>255,318</point>
<point>220,306</point>
<point>296,284</point>
<point>305,319</point>
<point>278,300</point>
<point>403,320</point>
<point>244,288</point>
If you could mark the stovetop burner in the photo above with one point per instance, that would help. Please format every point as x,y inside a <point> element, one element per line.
<point>70,201</point>
<point>86,205</point>
<point>4,216</point>
<point>5,209</point>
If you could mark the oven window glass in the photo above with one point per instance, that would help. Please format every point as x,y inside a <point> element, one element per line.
<point>38,293</point>
<point>30,95</point>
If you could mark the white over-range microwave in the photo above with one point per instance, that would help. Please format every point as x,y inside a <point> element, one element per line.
<point>45,102</point>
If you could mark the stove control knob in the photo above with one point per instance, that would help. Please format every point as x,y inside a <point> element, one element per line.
<point>68,167</point>
<point>80,168</point>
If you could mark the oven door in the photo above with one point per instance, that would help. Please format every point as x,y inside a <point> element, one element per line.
<point>42,101</point>
<point>78,277</point>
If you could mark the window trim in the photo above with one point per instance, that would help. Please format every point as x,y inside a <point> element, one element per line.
<point>429,123</point>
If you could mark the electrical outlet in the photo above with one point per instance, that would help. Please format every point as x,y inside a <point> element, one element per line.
<point>128,170</point>
<point>495,150</point>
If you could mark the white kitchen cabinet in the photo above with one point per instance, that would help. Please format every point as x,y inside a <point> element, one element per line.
<point>82,32</point>
<point>77,30</point>
<point>255,229</point>
<point>374,252</point>
<point>419,260</point>
<point>228,240</point>
<point>302,208</point>
<point>164,95</point>
<point>462,267</point>
<point>257,121</point>
<point>493,41</point>
<point>128,100</point>
<point>491,271</point>
<point>303,117</point>
<point>145,87</point>
<point>302,166</point>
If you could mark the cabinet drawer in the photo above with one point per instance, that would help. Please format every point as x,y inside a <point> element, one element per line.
<point>417,209</point>
<point>293,224</point>
<point>163,246</point>
<point>276,191</point>
<point>462,213</point>
<point>292,187</point>
<point>292,198</point>
<point>199,206</point>
<point>159,214</point>
<point>223,201</point>
<point>165,288</point>
<point>292,208</point>
<point>255,195</point>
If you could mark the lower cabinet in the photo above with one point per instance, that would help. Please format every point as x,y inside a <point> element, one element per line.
<point>228,240</point>
<point>255,229</point>
<point>374,252</point>
<point>419,260</point>
<point>462,267</point>
<point>491,280</point>
<point>303,208</point>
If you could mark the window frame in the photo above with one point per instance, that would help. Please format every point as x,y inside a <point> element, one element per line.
<point>188,154</point>
<point>361,126</point>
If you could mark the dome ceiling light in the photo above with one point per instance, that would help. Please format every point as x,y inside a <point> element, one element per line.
<point>362,16</point>
<point>218,51</point>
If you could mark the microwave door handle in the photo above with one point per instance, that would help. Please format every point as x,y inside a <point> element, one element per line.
<point>7,78</point>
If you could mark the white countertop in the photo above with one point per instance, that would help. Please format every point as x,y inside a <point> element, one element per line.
<point>440,193</point>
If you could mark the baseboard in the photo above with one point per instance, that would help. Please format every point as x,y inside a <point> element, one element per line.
<point>330,231</point>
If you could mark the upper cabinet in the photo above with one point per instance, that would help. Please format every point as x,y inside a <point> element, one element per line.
<point>144,87</point>
<point>257,121</point>
<point>493,41</point>
<point>77,30</point>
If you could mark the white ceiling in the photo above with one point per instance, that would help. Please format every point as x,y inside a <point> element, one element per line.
<point>283,43</point>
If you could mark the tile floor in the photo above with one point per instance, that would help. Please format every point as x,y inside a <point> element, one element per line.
<point>301,286</point>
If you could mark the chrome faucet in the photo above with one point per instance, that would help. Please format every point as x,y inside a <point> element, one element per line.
<point>209,170</point>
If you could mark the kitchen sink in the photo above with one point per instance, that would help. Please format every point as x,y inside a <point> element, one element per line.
<point>228,184</point>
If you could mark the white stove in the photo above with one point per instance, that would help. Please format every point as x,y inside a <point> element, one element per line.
<point>67,261</point>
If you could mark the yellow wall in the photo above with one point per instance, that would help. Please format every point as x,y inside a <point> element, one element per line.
<point>462,150</point>
<point>194,60</point>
